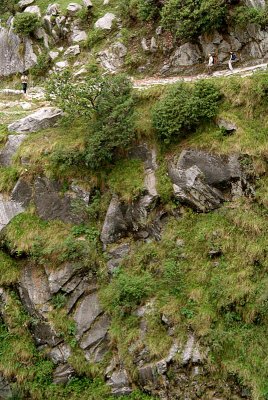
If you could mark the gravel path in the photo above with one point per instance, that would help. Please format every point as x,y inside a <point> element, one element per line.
<point>243,71</point>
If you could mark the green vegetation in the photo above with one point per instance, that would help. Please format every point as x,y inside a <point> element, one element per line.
<point>245,15</point>
<point>183,109</point>
<point>42,66</point>
<point>8,6</point>
<point>190,18</point>
<point>222,299</point>
<point>106,107</point>
<point>27,234</point>
<point>8,178</point>
<point>126,179</point>
<point>25,23</point>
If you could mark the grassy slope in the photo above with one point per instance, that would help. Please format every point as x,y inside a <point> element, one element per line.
<point>224,300</point>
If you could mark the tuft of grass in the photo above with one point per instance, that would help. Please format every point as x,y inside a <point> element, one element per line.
<point>9,270</point>
<point>8,177</point>
<point>127,179</point>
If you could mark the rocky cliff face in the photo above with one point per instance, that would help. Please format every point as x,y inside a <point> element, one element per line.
<point>16,54</point>
<point>202,181</point>
<point>64,35</point>
<point>104,294</point>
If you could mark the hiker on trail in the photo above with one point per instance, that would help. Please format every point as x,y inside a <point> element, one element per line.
<point>231,60</point>
<point>210,63</point>
<point>24,82</point>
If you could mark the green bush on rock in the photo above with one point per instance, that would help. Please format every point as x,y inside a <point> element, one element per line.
<point>25,23</point>
<point>183,109</point>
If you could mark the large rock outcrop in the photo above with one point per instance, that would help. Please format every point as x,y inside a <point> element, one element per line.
<point>16,55</point>
<point>41,119</point>
<point>12,145</point>
<point>37,287</point>
<point>123,219</point>
<point>8,210</point>
<point>203,180</point>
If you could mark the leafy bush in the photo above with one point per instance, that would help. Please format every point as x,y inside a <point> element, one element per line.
<point>147,9</point>
<point>106,106</point>
<point>183,108</point>
<point>25,23</point>
<point>42,66</point>
<point>113,128</point>
<point>127,291</point>
<point>190,18</point>
<point>243,16</point>
<point>95,36</point>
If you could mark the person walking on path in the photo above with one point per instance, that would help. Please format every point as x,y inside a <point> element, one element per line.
<point>24,82</point>
<point>231,60</point>
<point>210,63</point>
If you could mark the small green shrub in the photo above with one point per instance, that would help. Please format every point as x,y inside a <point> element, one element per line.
<point>8,177</point>
<point>244,16</point>
<point>147,9</point>
<point>42,66</point>
<point>25,23</point>
<point>183,109</point>
<point>190,18</point>
<point>127,291</point>
<point>95,36</point>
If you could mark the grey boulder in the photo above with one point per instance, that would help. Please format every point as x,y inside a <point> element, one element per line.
<point>62,374</point>
<point>119,383</point>
<point>24,3</point>
<point>5,389</point>
<point>216,169</point>
<point>41,119</point>
<point>200,179</point>
<point>12,145</point>
<point>8,210</point>
<point>73,8</point>
<point>33,10</point>
<point>105,22</point>
<point>114,226</point>
<point>227,126</point>
<point>11,58</point>
<point>86,313</point>
<point>50,204</point>
<point>22,193</point>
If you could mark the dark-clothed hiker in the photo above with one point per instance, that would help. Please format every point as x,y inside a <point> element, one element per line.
<point>24,82</point>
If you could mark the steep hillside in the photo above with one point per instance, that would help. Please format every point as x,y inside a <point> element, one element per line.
<point>133,221</point>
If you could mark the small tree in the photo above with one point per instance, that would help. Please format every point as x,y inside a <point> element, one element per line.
<point>183,108</point>
<point>25,23</point>
<point>190,18</point>
<point>113,127</point>
<point>105,105</point>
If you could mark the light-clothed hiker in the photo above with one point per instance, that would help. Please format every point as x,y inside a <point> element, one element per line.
<point>210,63</point>
<point>24,82</point>
<point>231,60</point>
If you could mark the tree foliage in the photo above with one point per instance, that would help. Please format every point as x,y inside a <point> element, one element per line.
<point>190,18</point>
<point>183,108</point>
<point>105,105</point>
